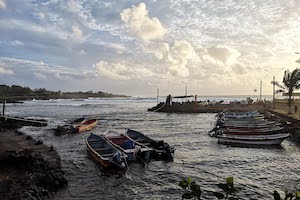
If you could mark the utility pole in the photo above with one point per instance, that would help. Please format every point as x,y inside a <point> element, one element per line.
<point>3,110</point>
<point>273,92</point>
<point>157,92</point>
<point>260,90</point>
<point>185,87</point>
<point>273,103</point>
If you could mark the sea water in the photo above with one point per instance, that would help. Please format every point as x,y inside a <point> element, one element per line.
<point>257,171</point>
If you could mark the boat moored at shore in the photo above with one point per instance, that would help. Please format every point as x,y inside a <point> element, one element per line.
<point>104,152</point>
<point>161,149</point>
<point>243,130</point>
<point>274,139</point>
<point>134,150</point>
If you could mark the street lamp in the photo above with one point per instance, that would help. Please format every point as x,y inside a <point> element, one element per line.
<point>185,87</point>
<point>260,87</point>
<point>273,103</point>
<point>157,91</point>
<point>157,94</point>
<point>260,90</point>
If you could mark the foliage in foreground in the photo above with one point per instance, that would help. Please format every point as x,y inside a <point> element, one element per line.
<point>228,188</point>
<point>193,191</point>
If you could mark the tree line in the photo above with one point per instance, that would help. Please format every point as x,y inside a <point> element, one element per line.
<point>16,92</point>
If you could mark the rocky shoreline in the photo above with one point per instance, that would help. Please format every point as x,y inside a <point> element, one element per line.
<point>28,168</point>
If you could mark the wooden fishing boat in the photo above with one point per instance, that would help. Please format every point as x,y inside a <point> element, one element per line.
<point>104,152</point>
<point>274,139</point>
<point>244,121</point>
<point>251,126</point>
<point>79,120</point>
<point>134,150</point>
<point>260,131</point>
<point>68,127</point>
<point>247,124</point>
<point>241,115</point>
<point>161,149</point>
<point>85,126</point>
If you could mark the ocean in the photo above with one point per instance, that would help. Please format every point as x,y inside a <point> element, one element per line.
<point>257,171</point>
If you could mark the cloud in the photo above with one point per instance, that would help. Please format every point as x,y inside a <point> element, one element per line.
<point>216,42</point>
<point>174,58</point>
<point>77,32</point>
<point>111,70</point>
<point>224,54</point>
<point>41,70</point>
<point>40,15</point>
<point>119,71</point>
<point>240,68</point>
<point>2,4</point>
<point>141,25</point>
<point>82,52</point>
<point>72,6</point>
<point>17,43</point>
<point>178,58</point>
<point>40,76</point>
<point>4,71</point>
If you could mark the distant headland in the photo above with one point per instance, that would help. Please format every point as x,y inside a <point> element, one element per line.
<point>15,94</point>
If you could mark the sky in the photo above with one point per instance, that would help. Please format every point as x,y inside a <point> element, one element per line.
<point>209,47</point>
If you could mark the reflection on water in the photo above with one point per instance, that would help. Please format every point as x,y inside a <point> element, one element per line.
<point>258,171</point>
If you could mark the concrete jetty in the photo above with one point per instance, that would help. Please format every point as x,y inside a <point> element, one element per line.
<point>9,120</point>
<point>28,168</point>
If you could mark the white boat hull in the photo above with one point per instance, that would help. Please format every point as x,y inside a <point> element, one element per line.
<point>274,139</point>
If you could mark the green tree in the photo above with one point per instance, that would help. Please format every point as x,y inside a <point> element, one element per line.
<point>291,82</point>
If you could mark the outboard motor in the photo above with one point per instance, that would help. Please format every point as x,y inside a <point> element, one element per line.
<point>117,159</point>
<point>219,133</point>
<point>159,145</point>
<point>220,123</point>
<point>168,150</point>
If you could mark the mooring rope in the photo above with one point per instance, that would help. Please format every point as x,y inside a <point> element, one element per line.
<point>159,108</point>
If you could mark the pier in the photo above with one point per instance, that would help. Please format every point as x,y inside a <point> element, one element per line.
<point>185,105</point>
<point>28,168</point>
<point>18,121</point>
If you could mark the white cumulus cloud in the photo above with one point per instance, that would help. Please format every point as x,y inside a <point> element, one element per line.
<point>17,43</point>
<point>40,76</point>
<point>119,71</point>
<point>5,71</point>
<point>2,4</point>
<point>82,52</point>
<point>226,55</point>
<point>77,32</point>
<point>141,25</point>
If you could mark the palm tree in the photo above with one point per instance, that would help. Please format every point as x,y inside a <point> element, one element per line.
<point>291,82</point>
